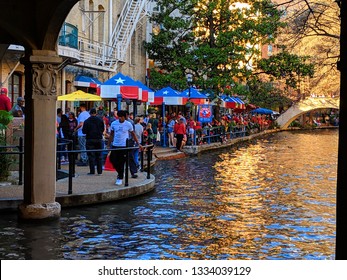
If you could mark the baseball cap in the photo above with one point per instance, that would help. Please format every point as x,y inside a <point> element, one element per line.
<point>20,99</point>
<point>4,90</point>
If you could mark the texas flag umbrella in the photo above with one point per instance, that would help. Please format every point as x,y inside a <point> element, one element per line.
<point>120,84</point>
<point>147,93</point>
<point>195,96</point>
<point>231,102</point>
<point>240,104</point>
<point>85,81</point>
<point>168,96</point>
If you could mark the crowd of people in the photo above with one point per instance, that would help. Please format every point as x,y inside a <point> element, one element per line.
<point>93,131</point>
<point>196,133</point>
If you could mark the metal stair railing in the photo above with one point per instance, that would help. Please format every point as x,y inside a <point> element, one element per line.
<point>99,55</point>
<point>124,29</point>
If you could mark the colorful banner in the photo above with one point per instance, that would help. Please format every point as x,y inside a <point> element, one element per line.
<point>205,113</point>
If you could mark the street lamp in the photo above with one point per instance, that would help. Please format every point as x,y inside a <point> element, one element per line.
<point>189,77</point>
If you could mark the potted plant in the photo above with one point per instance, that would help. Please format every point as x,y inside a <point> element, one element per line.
<point>5,160</point>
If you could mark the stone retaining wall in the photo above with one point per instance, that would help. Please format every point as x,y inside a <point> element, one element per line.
<point>194,150</point>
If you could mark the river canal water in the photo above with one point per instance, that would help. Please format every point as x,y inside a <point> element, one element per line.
<point>273,198</point>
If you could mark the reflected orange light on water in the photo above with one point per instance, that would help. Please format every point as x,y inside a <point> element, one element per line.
<point>263,207</point>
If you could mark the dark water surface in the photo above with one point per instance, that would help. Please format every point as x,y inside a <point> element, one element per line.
<point>273,198</point>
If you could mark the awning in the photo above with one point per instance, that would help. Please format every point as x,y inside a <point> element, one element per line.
<point>231,102</point>
<point>240,103</point>
<point>195,96</point>
<point>168,96</point>
<point>147,93</point>
<point>84,81</point>
<point>121,84</point>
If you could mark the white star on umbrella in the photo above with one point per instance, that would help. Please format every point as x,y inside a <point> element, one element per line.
<point>165,92</point>
<point>120,81</point>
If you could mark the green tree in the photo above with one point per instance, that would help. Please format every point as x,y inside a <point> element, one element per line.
<point>289,67</point>
<point>217,41</point>
<point>265,94</point>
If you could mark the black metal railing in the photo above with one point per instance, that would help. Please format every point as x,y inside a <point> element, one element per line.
<point>61,148</point>
<point>208,135</point>
<point>146,150</point>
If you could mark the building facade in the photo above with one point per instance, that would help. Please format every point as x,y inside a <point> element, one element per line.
<point>98,39</point>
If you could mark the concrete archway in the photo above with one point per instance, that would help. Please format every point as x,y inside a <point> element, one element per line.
<point>305,106</point>
<point>35,25</point>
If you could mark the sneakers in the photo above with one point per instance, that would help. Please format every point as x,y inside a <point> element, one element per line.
<point>119,182</point>
<point>134,176</point>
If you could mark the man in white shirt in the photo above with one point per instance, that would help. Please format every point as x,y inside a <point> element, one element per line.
<point>119,135</point>
<point>81,136</point>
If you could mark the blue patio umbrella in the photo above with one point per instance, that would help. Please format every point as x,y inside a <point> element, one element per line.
<point>263,111</point>
<point>167,96</point>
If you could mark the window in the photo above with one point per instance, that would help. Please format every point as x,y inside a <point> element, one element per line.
<point>15,87</point>
<point>101,24</point>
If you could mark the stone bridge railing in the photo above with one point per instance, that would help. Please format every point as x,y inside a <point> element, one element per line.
<point>304,106</point>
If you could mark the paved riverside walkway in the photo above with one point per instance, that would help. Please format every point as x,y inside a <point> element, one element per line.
<point>92,189</point>
<point>86,189</point>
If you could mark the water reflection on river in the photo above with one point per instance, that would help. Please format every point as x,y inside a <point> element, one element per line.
<point>271,199</point>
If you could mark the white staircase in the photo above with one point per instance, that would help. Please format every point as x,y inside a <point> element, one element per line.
<point>132,13</point>
<point>105,57</point>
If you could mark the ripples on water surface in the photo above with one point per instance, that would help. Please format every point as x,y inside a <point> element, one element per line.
<point>271,199</point>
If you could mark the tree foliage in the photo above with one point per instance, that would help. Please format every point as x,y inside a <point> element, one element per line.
<point>265,94</point>
<point>288,66</point>
<point>5,160</point>
<point>217,41</point>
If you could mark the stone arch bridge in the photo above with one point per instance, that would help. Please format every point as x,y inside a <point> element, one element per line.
<point>304,106</point>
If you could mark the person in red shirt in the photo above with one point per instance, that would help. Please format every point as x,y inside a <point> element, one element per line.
<point>180,131</point>
<point>5,102</point>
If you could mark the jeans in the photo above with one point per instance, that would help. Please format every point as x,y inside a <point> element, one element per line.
<point>133,163</point>
<point>95,158</point>
<point>136,157</point>
<point>82,145</point>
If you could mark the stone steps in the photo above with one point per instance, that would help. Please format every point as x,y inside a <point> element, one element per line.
<point>161,153</point>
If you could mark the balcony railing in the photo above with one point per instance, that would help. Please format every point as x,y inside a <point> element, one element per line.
<point>68,36</point>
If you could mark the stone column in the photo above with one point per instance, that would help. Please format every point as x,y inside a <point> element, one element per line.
<point>40,136</point>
